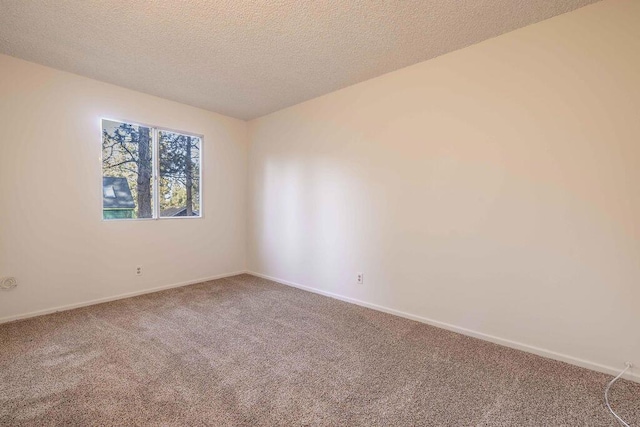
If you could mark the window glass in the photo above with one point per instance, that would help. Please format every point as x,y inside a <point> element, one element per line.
<point>127,171</point>
<point>179,178</point>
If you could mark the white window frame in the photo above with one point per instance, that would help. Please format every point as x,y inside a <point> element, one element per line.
<point>155,179</point>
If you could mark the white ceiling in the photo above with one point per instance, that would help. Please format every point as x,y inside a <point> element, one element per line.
<point>247,58</point>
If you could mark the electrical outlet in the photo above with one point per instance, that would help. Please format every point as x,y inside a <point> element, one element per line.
<point>360,278</point>
<point>139,270</point>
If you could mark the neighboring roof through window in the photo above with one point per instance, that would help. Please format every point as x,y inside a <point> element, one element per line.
<point>116,193</point>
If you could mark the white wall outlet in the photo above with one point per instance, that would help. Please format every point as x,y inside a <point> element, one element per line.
<point>8,283</point>
<point>139,270</point>
<point>360,278</point>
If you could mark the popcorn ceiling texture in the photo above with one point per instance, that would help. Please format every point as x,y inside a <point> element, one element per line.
<point>245,58</point>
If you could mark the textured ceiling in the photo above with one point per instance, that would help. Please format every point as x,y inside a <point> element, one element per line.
<point>247,58</point>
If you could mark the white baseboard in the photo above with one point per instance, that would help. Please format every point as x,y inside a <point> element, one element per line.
<point>633,376</point>
<point>115,297</point>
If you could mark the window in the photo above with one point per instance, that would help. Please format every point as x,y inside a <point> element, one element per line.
<point>149,172</point>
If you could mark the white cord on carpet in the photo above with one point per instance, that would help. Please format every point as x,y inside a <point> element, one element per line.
<point>606,395</point>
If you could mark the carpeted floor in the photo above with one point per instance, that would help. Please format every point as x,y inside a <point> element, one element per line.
<point>245,351</point>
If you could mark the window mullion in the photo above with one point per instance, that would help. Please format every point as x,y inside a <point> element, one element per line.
<point>156,172</point>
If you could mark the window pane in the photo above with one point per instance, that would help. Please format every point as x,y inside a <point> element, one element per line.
<point>179,174</point>
<point>127,169</point>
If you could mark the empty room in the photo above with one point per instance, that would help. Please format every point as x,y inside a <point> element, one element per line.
<point>320,213</point>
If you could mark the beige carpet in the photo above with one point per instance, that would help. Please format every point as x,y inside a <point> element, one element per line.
<point>244,351</point>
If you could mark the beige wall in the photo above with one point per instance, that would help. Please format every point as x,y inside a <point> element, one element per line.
<point>494,189</point>
<point>51,234</point>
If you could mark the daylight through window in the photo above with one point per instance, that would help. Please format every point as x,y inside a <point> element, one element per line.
<point>149,172</point>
